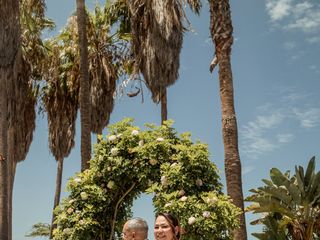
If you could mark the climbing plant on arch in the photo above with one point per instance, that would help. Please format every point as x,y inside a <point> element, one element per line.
<point>130,161</point>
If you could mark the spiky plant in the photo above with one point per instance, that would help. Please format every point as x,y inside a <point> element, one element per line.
<point>294,199</point>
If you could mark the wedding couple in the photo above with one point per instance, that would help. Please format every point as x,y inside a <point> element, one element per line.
<point>166,227</point>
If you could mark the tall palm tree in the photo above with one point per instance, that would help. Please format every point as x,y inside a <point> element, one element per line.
<point>10,58</point>
<point>157,35</point>
<point>61,104</point>
<point>61,95</point>
<point>85,108</point>
<point>221,32</point>
<point>103,72</point>
<point>22,101</point>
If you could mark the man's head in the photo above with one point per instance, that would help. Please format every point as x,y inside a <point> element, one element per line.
<point>135,229</point>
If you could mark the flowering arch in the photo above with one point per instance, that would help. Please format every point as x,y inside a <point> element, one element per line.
<point>129,162</point>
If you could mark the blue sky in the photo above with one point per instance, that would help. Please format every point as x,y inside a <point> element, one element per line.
<point>276,73</point>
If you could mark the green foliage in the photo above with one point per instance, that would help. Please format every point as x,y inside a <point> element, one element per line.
<point>33,23</point>
<point>130,161</point>
<point>294,200</point>
<point>39,230</point>
<point>272,229</point>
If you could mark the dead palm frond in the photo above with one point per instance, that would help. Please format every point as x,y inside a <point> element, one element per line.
<point>33,23</point>
<point>102,70</point>
<point>107,54</point>
<point>157,36</point>
<point>60,99</point>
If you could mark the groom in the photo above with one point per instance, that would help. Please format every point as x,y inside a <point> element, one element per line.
<point>135,229</point>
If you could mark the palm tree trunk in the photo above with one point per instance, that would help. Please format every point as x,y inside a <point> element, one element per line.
<point>221,32</point>
<point>85,114</point>
<point>164,110</point>
<point>3,156</point>
<point>57,193</point>
<point>230,141</point>
<point>11,174</point>
<point>9,49</point>
<point>10,198</point>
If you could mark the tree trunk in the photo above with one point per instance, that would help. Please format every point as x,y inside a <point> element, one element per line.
<point>9,51</point>
<point>3,155</point>
<point>11,174</point>
<point>221,32</point>
<point>57,193</point>
<point>230,141</point>
<point>85,114</point>
<point>164,110</point>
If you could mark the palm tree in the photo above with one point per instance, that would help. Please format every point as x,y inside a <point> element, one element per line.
<point>9,66</point>
<point>20,131</point>
<point>221,32</point>
<point>61,95</point>
<point>39,230</point>
<point>85,108</point>
<point>157,35</point>
<point>61,104</point>
<point>103,72</point>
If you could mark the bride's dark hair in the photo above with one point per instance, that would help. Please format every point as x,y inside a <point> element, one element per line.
<point>173,221</point>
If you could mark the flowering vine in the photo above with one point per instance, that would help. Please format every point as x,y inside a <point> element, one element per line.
<point>130,161</point>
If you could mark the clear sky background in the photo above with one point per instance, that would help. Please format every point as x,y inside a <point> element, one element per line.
<point>276,73</point>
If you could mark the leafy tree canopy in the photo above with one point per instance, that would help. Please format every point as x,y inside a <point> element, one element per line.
<point>130,161</point>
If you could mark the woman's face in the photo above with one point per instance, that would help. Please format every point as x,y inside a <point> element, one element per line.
<point>162,229</point>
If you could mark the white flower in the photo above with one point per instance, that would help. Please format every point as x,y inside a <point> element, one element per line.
<point>141,143</point>
<point>206,214</point>
<point>164,181</point>
<point>212,200</point>
<point>81,222</point>
<point>72,201</point>
<point>67,231</point>
<point>114,151</point>
<point>112,138</point>
<point>99,174</point>
<point>168,204</point>
<point>174,165</point>
<point>160,139</point>
<point>77,180</point>
<point>84,195</point>
<point>70,210</point>
<point>191,220</point>
<point>153,162</point>
<point>183,198</point>
<point>110,184</point>
<point>181,193</point>
<point>119,135</point>
<point>134,132</point>
<point>199,182</point>
<point>109,169</point>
